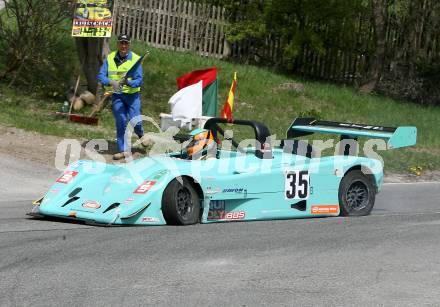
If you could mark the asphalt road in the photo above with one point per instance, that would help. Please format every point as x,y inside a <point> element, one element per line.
<point>390,258</point>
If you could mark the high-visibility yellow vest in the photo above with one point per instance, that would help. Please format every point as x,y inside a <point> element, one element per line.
<point>116,72</point>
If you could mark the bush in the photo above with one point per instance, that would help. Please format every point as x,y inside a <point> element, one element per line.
<point>37,51</point>
<point>420,86</point>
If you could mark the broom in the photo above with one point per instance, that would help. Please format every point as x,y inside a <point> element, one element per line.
<point>90,119</point>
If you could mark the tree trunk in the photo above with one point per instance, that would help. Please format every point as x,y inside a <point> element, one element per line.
<point>379,10</point>
<point>92,53</point>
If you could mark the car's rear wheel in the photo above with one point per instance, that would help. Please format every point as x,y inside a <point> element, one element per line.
<point>356,194</point>
<point>180,203</point>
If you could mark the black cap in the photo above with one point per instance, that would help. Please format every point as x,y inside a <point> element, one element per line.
<point>124,38</point>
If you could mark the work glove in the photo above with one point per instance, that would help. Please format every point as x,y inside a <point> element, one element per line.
<point>115,85</point>
<point>123,82</point>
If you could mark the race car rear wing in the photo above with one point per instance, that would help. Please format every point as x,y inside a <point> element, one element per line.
<point>396,137</point>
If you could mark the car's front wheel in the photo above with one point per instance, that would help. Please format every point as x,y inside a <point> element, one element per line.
<point>356,194</point>
<point>180,203</point>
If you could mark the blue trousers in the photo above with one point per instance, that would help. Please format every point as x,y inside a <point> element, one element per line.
<point>125,107</point>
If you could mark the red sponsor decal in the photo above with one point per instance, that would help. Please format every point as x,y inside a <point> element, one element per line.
<point>67,177</point>
<point>225,215</point>
<point>91,204</point>
<point>145,187</point>
<point>325,209</point>
<point>149,219</point>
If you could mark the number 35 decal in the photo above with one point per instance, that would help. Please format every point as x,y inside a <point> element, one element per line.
<point>297,185</point>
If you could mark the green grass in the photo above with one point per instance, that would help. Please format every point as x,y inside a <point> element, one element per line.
<point>257,98</point>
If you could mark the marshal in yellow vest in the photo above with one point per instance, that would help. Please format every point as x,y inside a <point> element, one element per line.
<point>117,72</point>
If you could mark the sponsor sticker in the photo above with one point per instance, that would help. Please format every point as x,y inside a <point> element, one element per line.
<point>128,200</point>
<point>55,191</point>
<point>217,205</point>
<point>217,212</point>
<point>91,204</point>
<point>356,126</point>
<point>221,215</point>
<point>159,175</point>
<point>149,219</point>
<point>145,187</point>
<point>67,177</point>
<point>210,190</point>
<point>233,190</point>
<point>325,209</point>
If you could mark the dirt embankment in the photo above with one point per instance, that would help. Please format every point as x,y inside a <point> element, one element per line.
<point>28,145</point>
<point>40,148</point>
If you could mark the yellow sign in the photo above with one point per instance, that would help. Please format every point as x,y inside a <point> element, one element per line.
<point>93,18</point>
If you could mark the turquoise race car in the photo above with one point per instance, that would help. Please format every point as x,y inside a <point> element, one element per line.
<point>216,178</point>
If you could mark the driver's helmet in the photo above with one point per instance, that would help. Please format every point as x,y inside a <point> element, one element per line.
<point>201,143</point>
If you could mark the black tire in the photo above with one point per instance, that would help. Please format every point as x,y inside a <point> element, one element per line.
<point>356,194</point>
<point>180,203</point>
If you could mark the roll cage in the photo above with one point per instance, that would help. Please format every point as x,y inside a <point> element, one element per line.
<point>262,148</point>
